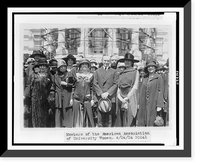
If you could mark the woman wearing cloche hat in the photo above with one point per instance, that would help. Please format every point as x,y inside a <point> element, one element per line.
<point>63,92</point>
<point>151,95</point>
<point>82,98</point>
<point>127,93</point>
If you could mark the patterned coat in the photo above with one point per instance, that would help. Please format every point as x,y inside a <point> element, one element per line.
<point>37,89</point>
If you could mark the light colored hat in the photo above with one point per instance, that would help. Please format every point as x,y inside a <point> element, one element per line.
<point>93,61</point>
<point>104,105</point>
<point>84,60</point>
<point>30,60</point>
<point>120,64</point>
<point>60,63</point>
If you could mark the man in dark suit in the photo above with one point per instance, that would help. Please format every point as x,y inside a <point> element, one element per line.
<point>105,86</point>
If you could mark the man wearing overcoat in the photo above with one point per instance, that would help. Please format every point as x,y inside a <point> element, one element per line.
<point>105,86</point>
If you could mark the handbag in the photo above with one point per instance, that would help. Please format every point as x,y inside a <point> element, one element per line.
<point>159,121</point>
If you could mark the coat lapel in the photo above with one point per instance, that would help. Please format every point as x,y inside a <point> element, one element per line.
<point>155,76</point>
<point>102,72</point>
<point>107,74</point>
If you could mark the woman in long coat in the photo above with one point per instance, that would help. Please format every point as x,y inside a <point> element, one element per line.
<point>37,90</point>
<point>63,90</point>
<point>82,107</point>
<point>127,93</point>
<point>151,96</point>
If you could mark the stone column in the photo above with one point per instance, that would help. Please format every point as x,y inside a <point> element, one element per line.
<point>112,42</point>
<point>61,51</point>
<point>83,49</point>
<point>135,45</point>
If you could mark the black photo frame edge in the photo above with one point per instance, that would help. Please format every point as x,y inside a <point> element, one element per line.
<point>126,153</point>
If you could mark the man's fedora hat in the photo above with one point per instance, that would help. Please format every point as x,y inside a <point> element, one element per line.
<point>104,105</point>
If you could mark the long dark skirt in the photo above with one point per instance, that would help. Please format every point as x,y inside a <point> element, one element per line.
<point>63,117</point>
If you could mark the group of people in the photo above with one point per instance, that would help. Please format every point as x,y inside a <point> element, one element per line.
<point>72,92</point>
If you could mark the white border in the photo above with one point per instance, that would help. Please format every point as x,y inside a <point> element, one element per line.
<point>46,21</point>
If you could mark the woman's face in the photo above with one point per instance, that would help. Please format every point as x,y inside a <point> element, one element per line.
<point>142,73</point>
<point>63,69</point>
<point>128,63</point>
<point>37,58</point>
<point>151,69</point>
<point>84,67</point>
<point>43,68</point>
<point>70,62</point>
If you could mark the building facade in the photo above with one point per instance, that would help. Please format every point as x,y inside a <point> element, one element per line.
<point>144,43</point>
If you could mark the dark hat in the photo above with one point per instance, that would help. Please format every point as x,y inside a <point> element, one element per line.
<point>84,60</point>
<point>37,53</point>
<point>141,69</point>
<point>128,56</point>
<point>70,56</point>
<point>151,62</point>
<point>40,63</point>
<point>51,62</point>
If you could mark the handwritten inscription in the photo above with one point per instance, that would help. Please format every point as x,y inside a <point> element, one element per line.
<point>108,136</point>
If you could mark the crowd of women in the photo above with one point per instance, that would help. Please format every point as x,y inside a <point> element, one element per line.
<point>72,92</point>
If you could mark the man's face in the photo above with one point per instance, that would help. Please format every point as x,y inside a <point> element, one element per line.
<point>106,60</point>
<point>113,60</point>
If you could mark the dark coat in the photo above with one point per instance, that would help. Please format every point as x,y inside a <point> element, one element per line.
<point>63,93</point>
<point>165,77</point>
<point>151,97</point>
<point>105,81</point>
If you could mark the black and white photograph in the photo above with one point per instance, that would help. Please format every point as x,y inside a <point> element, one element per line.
<point>96,79</point>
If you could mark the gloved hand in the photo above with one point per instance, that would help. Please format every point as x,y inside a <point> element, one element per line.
<point>92,102</point>
<point>159,109</point>
<point>104,95</point>
<point>71,102</point>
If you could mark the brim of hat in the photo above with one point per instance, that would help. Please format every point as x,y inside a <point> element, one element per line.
<point>33,55</point>
<point>46,64</point>
<point>63,65</point>
<point>80,63</point>
<point>94,62</point>
<point>66,59</point>
<point>121,67</point>
<point>124,59</point>
<point>93,67</point>
<point>145,68</point>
